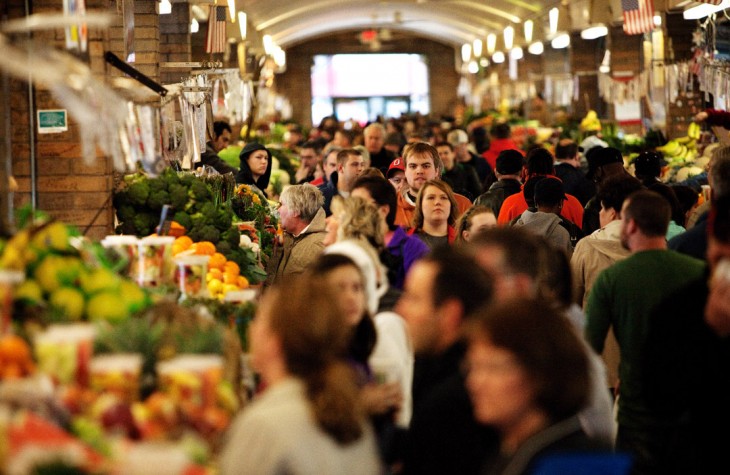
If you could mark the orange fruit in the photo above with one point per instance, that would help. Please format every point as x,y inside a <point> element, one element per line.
<point>184,242</point>
<point>231,268</point>
<point>14,349</point>
<point>242,282</point>
<point>205,248</point>
<point>217,261</point>
<point>215,274</point>
<point>230,279</point>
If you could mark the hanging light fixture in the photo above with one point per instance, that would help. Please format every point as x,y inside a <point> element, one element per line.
<point>536,48</point>
<point>605,66</point>
<point>704,9</point>
<point>465,52</point>
<point>164,7</point>
<point>483,62</point>
<point>528,27</point>
<point>232,10</point>
<point>194,26</point>
<point>516,53</point>
<point>268,45</point>
<point>242,19</point>
<point>477,47</point>
<point>561,41</point>
<point>509,37</point>
<point>553,16</point>
<point>498,57</point>
<point>594,19</point>
<point>594,31</point>
<point>473,67</point>
<point>491,43</point>
<point>657,20</point>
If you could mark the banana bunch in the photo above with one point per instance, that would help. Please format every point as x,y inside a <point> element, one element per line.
<point>590,122</point>
<point>682,150</point>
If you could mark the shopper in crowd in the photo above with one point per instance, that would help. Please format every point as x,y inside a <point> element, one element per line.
<point>568,169</point>
<point>302,219</point>
<point>651,300</point>
<point>523,266</point>
<point>459,140</point>
<point>401,250</point>
<point>476,219</point>
<point>694,241</point>
<point>508,173</point>
<point>717,311</point>
<point>463,179</point>
<point>539,163</point>
<point>688,198</point>
<point>603,162</point>
<point>222,138</point>
<point>344,138</point>
<point>675,227</point>
<point>441,293</point>
<point>329,166</point>
<point>436,214</point>
<point>518,352</point>
<point>544,217</point>
<point>255,167</point>
<point>382,400</point>
<point>501,139</point>
<point>374,136</point>
<point>309,419</point>
<point>293,137</point>
<point>309,158</point>
<point>396,174</point>
<point>422,164</point>
<point>350,164</point>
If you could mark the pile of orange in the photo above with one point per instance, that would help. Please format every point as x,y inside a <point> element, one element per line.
<point>15,358</point>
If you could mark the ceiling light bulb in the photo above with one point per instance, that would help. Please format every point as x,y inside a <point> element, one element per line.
<point>232,10</point>
<point>194,26</point>
<point>516,53</point>
<point>473,67</point>
<point>594,31</point>
<point>528,26</point>
<point>465,52</point>
<point>704,9</point>
<point>553,15</point>
<point>477,47</point>
<point>498,57</point>
<point>242,19</point>
<point>483,62</point>
<point>536,48</point>
<point>165,7</point>
<point>268,44</point>
<point>491,43</point>
<point>561,41</point>
<point>509,37</point>
<point>657,20</point>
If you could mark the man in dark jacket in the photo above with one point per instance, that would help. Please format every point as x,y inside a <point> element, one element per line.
<point>509,166</point>
<point>222,139</point>
<point>440,293</point>
<point>567,168</point>
<point>462,178</point>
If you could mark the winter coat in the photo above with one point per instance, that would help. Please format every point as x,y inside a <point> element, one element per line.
<point>297,252</point>
<point>244,175</point>
<point>497,193</point>
<point>547,225</point>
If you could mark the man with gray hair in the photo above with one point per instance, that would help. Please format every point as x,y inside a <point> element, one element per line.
<point>380,157</point>
<point>303,220</point>
<point>459,139</point>
<point>693,242</point>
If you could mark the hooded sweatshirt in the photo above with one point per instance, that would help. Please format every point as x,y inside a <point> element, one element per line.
<point>548,226</point>
<point>244,175</point>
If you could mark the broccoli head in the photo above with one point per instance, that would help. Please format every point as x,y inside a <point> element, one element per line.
<point>170,177</point>
<point>223,247</point>
<point>232,236</point>
<point>126,212</point>
<point>183,219</point>
<point>157,199</point>
<point>138,193</point>
<point>145,223</point>
<point>157,184</point>
<point>187,179</point>
<point>178,196</point>
<point>204,233</point>
<point>198,220</point>
<point>223,218</point>
<point>199,191</point>
<point>209,210</point>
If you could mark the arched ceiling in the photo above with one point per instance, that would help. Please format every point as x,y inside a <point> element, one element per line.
<point>452,22</point>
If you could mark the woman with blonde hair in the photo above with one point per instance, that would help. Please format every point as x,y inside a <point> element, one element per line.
<point>309,418</point>
<point>435,215</point>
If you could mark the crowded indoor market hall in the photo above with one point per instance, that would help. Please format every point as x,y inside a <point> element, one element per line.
<point>393,237</point>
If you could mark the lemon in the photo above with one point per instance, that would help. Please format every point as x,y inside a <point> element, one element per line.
<point>133,295</point>
<point>47,273</point>
<point>67,301</point>
<point>29,290</point>
<point>107,306</point>
<point>53,236</point>
<point>98,280</point>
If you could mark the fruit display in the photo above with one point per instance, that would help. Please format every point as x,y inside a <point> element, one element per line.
<point>15,358</point>
<point>683,156</point>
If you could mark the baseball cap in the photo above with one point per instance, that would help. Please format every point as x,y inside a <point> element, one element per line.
<point>509,162</point>
<point>598,157</point>
<point>649,163</point>
<point>395,165</point>
<point>457,137</point>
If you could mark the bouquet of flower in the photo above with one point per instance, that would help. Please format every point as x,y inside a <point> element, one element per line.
<point>250,207</point>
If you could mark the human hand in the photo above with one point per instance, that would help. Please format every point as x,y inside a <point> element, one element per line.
<point>701,116</point>
<point>381,398</point>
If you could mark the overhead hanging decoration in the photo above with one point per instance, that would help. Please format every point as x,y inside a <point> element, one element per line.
<point>638,16</point>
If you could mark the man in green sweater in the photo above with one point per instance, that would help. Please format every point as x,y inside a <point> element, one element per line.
<point>654,301</point>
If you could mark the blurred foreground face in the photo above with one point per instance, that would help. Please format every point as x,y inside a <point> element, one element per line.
<point>499,388</point>
<point>347,282</point>
<point>262,341</point>
<point>417,308</point>
<point>479,223</point>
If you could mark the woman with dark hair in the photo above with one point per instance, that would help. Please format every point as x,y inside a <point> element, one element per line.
<point>475,219</point>
<point>309,418</point>
<point>435,215</point>
<point>518,354</point>
<point>255,167</point>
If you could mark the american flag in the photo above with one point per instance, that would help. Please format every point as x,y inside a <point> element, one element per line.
<point>638,16</point>
<point>711,2</point>
<point>215,38</point>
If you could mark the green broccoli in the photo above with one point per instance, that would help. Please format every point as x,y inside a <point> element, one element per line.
<point>170,176</point>
<point>127,227</point>
<point>157,184</point>
<point>157,199</point>
<point>204,233</point>
<point>138,193</point>
<point>198,220</point>
<point>209,211</point>
<point>223,219</point>
<point>187,179</point>
<point>199,191</point>
<point>125,212</point>
<point>145,223</point>
<point>178,196</point>
<point>183,219</point>
<point>232,236</point>
<point>223,247</point>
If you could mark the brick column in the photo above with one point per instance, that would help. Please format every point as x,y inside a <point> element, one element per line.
<point>175,41</point>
